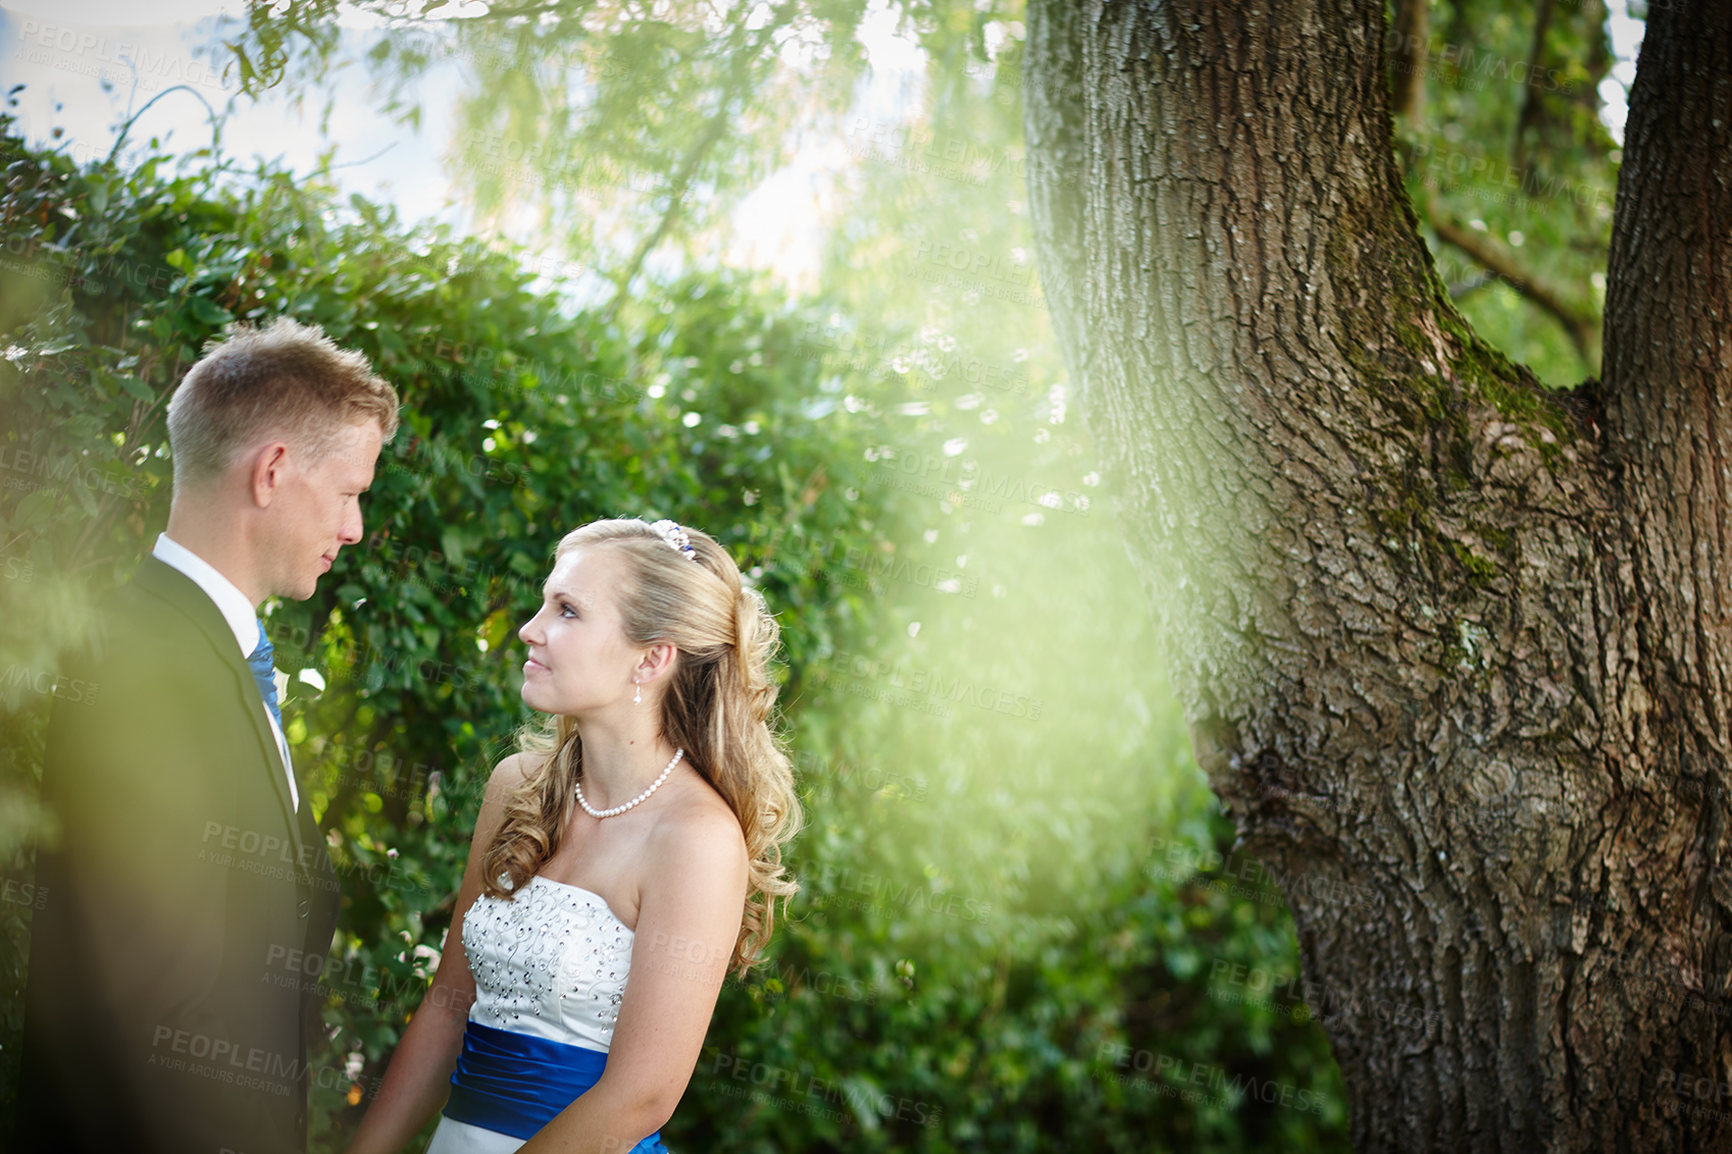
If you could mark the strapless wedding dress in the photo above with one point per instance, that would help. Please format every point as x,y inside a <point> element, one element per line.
<point>550,967</point>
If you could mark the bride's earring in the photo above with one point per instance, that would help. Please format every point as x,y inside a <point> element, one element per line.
<point>636,693</point>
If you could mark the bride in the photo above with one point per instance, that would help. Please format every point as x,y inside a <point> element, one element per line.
<point>623,862</point>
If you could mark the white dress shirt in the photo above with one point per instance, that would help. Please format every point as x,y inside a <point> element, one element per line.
<point>240,615</point>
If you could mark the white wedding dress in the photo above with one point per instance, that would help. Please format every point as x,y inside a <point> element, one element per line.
<point>551,963</point>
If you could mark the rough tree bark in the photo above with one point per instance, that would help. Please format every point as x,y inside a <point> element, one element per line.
<point>1451,645</point>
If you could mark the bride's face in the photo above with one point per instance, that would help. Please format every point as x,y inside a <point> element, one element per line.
<point>579,658</point>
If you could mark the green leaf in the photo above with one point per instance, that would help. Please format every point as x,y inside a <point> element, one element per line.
<point>208,312</point>
<point>35,509</point>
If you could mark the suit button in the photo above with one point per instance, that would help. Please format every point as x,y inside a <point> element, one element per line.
<point>304,908</point>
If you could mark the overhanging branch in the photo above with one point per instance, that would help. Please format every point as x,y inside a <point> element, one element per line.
<point>1580,326</point>
<point>738,85</point>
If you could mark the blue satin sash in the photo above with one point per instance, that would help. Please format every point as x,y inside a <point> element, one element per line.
<point>515,1084</point>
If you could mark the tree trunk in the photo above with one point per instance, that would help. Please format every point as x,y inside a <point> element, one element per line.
<point>1456,651</point>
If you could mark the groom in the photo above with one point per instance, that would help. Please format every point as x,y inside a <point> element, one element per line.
<point>170,1002</point>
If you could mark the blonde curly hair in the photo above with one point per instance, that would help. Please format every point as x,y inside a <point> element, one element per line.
<point>717,708</point>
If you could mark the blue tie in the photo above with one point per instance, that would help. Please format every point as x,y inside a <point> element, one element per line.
<point>260,660</point>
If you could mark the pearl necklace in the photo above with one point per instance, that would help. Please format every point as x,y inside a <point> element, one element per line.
<point>599,813</point>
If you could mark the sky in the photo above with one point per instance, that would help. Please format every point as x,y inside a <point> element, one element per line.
<point>89,65</point>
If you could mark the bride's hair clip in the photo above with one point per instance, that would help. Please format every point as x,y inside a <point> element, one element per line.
<point>676,538</point>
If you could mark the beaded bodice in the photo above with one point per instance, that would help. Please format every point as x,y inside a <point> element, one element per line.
<point>550,962</point>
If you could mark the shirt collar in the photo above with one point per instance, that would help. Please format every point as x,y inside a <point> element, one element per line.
<point>230,601</point>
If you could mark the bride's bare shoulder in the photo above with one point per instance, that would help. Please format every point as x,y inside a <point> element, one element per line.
<point>513,770</point>
<point>701,829</point>
<point>506,779</point>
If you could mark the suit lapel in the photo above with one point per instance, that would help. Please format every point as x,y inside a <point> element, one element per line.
<point>183,594</point>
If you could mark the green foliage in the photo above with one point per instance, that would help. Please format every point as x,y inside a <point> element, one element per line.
<point>1506,150</point>
<point>624,126</point>
<point>983,792</point>
<point>996,946</point>
<point>519,424</point>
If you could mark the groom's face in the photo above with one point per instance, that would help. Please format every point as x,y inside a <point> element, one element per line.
<point>320,509</point>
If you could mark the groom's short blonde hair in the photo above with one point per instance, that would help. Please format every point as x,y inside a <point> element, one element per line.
<point>287,380</point>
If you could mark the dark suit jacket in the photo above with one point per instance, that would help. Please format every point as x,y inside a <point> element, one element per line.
<point>188,909</point>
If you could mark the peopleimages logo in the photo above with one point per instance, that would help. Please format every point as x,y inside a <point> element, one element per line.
<point>975,262</point>
<point>1194,1081</point>
<point>931,682</point>
<point>39,40</point>
<point>223,1056</point>
<point>916,148</point>
<point>49,684</point>
<point>922,361</point>
<point>866,567</point>
<point>22,469</point>
<point>838,886</point>
<point>978,485</point>
<point>1490,178</point>
<point>796,1085</point>
<point>1472,66</point>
